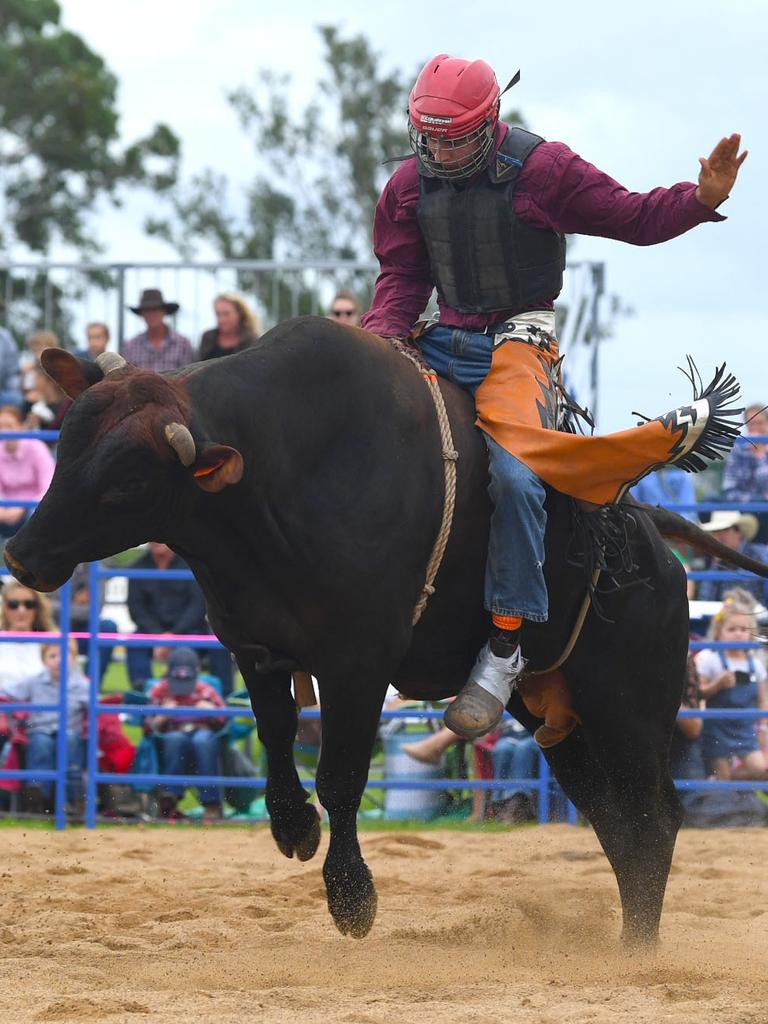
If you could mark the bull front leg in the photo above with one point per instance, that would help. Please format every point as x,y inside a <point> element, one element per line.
<point>350,717</point>
<point>295,823</point>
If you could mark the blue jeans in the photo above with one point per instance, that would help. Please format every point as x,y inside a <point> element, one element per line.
<point>41,756</point>
<point>514,575</point>
<point>195,752</point>
<point>515,757</point>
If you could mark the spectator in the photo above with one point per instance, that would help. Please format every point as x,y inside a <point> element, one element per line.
<point>79,615</point>
<point>23,611</point>
<point>187,744</point>
<point>515,755</point>
<point>159,347</point>
<point>26,468</point>
<point>10,371</point>
<point>116,754</point>
<point>431,749</point>
<point>746,469</point>
<point>48,411</point>
<point>344,308</point>
<point>686,759</point>
<point>733,678</point>
<point>168,607</point>
<point>37,342</point>
<point>667,486</point>
<point>236,327</point>
<point>97,334</point>
<point>737,531</point>
<point>42,726</point>
<point>29,364</point>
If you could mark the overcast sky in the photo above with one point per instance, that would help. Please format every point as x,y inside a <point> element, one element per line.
<point>640,90</point>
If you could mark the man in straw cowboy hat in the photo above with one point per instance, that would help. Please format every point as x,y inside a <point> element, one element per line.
<point>159,347</point>
<point>737,530</point>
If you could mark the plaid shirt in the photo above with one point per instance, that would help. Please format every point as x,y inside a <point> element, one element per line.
<point>746,474</point>
<point>10,374</point>
<point>175,352</point>
<point>161,692</point>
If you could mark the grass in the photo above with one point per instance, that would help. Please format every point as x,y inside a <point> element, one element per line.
<point>363,825</point>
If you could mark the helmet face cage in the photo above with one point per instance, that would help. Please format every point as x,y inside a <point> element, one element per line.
<point>479,143</point>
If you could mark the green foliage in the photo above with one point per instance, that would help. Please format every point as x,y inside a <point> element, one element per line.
<point>319,177</point>
<point>33,300</point>
<point>59,132</point>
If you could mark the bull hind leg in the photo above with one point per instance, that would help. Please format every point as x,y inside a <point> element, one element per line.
<point>295,823</point>
<point>350,710</point>
<point>620,782</point>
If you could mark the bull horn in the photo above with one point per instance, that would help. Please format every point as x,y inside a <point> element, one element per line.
<point>182,442</point>
<point>108,362</point>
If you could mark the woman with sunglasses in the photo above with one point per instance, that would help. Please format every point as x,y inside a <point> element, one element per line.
<point>22,611</point>
<point>344,309</point>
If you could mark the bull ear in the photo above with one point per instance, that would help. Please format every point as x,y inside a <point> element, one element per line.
<point>216,467</point>
<point>73,375</point>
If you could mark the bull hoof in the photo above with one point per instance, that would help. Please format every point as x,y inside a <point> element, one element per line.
<point>300,836</point>
<point>306,848</point>
<point>635,940</point>
<point>352,900</point>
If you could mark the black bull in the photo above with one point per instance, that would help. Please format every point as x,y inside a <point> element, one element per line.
<point>307,509</point>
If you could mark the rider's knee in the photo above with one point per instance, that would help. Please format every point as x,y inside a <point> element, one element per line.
<point>513,480</point>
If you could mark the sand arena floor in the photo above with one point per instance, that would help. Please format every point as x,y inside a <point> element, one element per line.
<point>128,925</point>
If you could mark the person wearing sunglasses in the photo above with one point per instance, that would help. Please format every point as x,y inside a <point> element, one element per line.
<point>344,309</point>
<point>22,611</point>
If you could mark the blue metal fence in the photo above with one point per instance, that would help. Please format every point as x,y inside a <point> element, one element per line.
<point>544,784</point>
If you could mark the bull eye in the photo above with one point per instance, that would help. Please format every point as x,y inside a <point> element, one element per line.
<point>125,492</point>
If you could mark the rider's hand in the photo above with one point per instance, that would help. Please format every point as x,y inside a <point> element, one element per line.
<point>718,173</point>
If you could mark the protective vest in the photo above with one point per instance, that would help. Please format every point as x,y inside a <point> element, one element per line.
<point>483,257</point>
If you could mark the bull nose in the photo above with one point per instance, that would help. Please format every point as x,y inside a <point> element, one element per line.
<point>17,569</point>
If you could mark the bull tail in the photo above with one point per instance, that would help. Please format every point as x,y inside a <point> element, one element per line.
<point>674,527</point>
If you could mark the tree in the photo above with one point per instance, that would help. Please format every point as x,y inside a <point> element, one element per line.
<point>59,132</point>
<point>320,173</point>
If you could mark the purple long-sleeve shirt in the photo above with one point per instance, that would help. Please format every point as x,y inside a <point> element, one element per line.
<point>555,189</point>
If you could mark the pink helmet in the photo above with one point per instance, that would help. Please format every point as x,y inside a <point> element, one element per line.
<point>454,102</point>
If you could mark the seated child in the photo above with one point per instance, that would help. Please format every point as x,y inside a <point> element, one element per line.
<point>189,745</point>
<point>43,726</point>
<point>733,679</point>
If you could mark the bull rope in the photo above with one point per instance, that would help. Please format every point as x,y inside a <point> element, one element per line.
<point>450,458</point>
<point>575,632</point>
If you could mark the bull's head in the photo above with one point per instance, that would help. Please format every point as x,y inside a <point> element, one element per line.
<point>130,457</point>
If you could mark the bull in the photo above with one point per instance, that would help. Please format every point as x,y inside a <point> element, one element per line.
<point>302,482</point>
